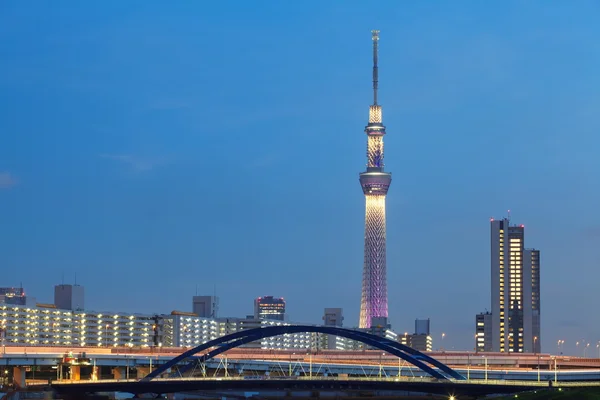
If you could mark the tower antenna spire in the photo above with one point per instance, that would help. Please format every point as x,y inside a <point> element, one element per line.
<point>375,36</point>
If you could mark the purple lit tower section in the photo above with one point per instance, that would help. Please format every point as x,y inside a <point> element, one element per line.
<point>375,183</point>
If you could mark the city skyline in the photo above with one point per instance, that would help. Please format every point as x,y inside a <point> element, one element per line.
<point>162,149</point>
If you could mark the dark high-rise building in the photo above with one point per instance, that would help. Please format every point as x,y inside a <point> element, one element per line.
<point>531,296</point>
<point>269,307</point>
<point>69,297</point>
<point>205,306</point>
<point>422,326</point>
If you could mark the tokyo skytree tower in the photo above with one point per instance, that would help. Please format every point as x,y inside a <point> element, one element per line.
<point>375,183</point>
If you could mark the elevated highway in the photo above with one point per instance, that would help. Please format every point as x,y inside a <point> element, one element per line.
<point>21,355</point>
<point>67,363</point>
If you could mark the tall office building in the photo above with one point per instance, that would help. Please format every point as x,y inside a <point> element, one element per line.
<point>69,297</point>
<point>205,306</point>
<point>515,290</point>
<point>269,307</point>
<point>375,184</point>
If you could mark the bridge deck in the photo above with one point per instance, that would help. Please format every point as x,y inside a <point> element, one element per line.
<point>163,386</point>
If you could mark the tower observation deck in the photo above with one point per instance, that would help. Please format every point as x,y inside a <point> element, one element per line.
<point>375,184</point>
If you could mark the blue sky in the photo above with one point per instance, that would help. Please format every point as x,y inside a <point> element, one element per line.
<point>153,147</point>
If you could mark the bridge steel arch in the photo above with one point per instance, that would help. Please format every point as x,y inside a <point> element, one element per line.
<point>421,356</point>
<point>404,352</point>
<point>388,342</point>
<point>384,346</point>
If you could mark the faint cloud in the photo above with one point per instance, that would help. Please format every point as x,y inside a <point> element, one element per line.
<point>265,161</point>
<point>136,163</point>
<point>245,118</point>
<point>7,180</point>
<point>592,232</point>
<point>570,323</point>
<point>170,104</point>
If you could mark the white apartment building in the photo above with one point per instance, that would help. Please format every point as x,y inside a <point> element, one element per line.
<point>187,330</point>
<point>47,325</point>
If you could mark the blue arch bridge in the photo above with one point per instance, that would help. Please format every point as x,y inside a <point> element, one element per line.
<point>444,380</point>
<point>420,360</point>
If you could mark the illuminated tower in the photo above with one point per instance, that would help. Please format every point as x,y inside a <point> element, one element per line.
<point>375,183</point>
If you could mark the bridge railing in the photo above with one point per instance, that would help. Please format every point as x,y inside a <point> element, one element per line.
<point>500,382</point>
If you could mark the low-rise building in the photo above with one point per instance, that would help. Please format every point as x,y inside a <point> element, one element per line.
<point>483,332</point>
<point>47,325</point>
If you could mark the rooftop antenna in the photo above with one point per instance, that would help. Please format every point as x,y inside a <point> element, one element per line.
<point>508,217</point>
<point>196,289</point>
<point>375,36</point>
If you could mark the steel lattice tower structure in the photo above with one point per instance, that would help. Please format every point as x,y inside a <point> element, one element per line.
<point>375,184</point>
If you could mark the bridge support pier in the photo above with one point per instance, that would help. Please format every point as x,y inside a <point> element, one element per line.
<point>75,372</point>
<point>142,372</point>
<point>19,377</point>
<point>118,373</point>
<point>95,373</point>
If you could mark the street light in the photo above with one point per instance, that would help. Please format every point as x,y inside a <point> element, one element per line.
<point>585,349</point>
<point>486,367</point>
<point>534,346</point>
<point>469,362</point>
<point>538,362</point>
<point>291,362</point>
<point>154,338</point>
<point>443,336</point>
